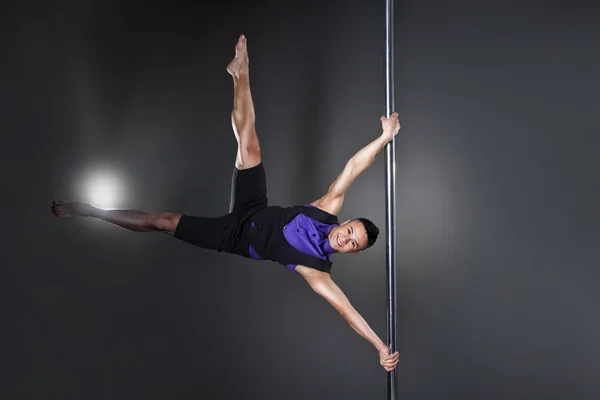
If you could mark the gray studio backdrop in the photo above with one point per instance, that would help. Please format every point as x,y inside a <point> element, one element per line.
<point>497,194</point>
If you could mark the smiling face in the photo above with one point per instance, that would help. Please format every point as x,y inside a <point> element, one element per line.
<point>349,237</point>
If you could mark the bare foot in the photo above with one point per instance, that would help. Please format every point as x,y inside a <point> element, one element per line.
<point>239,65</point>
<point>70,209</point>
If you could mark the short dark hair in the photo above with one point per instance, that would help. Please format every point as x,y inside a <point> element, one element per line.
<point>372,231</point>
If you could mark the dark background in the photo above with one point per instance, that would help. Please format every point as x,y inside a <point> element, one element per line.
<point>497,195</point>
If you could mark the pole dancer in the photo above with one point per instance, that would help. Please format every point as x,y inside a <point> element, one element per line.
<point>301,238</point>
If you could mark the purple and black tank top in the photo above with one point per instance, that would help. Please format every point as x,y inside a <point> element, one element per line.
<point>306,235</point>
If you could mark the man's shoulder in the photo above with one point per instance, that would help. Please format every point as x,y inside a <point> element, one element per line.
<point>319,213</point>
<point>309,273</point>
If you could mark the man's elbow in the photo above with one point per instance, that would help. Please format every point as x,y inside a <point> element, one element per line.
<point>325,290</point>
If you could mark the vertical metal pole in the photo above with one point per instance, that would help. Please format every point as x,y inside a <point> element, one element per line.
<point>390,197</point>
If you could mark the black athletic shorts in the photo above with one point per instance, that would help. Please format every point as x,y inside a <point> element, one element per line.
<point>248,196</point>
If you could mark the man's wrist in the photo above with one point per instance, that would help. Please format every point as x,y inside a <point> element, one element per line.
<point>384,139</point>
<point>382,346</point>
<point>386,136</point>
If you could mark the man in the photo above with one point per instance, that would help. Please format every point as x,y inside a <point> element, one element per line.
<point>302,238</point>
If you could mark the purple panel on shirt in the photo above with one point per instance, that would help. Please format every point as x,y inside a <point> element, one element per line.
<point>253,253</point>
<point>309,236</point>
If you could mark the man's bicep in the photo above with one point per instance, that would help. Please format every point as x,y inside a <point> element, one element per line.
<point>323,285</point>
<point>329,203</point>
<point>334,198</point>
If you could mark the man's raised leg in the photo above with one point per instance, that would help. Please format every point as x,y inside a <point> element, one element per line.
<point>242,116</point>
<point>133,220</point>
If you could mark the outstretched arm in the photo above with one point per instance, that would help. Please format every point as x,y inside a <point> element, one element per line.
<point>333,199</point>
<point>322,283</point>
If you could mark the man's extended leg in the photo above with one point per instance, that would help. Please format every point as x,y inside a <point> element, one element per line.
<point>242,116</point>
<point>133,220</point>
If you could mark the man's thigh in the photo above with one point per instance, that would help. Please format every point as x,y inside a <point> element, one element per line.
<point>208,233</point>
<point>248,189</point>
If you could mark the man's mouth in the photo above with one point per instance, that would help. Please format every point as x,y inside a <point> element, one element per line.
<point>339,241</point>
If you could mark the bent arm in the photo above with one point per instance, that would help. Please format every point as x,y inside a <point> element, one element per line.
<point>322,284</point>
<point>357,164</point>
<point>334,198</point>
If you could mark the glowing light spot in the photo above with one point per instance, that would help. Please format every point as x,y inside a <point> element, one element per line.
<point>103,190</point>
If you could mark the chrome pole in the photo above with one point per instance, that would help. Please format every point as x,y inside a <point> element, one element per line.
<point>390,198</point>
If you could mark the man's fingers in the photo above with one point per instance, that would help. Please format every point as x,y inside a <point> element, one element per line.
<point>389,363</point>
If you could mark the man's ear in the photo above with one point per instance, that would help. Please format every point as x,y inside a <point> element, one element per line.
<point>345,222</point>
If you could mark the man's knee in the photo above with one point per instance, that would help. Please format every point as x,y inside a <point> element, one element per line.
<point>165,222</point>
<point>248,156</point>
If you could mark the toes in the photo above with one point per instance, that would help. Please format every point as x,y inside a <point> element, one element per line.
<point>56,209</point>
<point>241,44</point>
